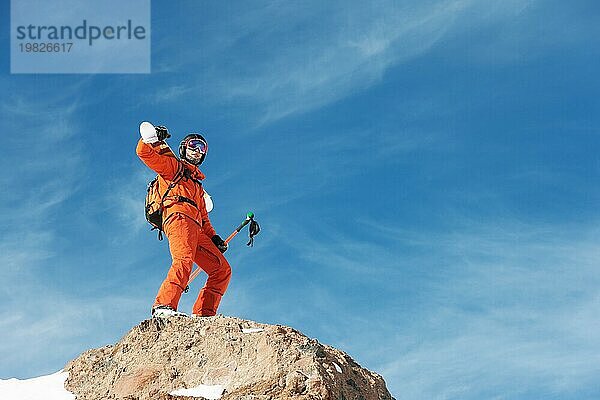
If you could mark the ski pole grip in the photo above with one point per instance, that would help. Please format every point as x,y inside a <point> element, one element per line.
<point>237,230</point>
<point>249,218</point>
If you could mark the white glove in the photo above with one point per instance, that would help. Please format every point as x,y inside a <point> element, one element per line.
<point>148,133</point>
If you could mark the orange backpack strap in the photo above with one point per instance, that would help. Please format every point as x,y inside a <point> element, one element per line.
<point>178,176</point>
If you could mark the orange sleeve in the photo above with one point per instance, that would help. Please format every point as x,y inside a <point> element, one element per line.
<point>158,157</point>
<point>207,227</point>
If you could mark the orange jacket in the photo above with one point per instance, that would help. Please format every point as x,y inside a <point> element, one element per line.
<point>159,157</point>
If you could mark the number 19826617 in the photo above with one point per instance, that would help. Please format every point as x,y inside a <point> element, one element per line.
<point>45,47</point>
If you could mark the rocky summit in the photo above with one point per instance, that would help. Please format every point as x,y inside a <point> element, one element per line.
<point>219,358</point>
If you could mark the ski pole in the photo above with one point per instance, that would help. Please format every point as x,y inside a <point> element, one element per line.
<point>249,217</point>
<point>253,231</point>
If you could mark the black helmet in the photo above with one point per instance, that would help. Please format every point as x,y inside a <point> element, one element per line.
<point>183,147</point>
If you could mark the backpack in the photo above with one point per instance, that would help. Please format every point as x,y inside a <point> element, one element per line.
<point>154,201</point>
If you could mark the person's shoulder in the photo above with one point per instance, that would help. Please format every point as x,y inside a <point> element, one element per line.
<point>163,149</point>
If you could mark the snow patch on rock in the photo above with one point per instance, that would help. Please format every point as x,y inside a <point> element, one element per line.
<point>337,367</point>
<point>252,330</point>
<point>211,392</point>
<point>47,387</point>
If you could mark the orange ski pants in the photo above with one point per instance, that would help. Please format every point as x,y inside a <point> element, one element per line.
<point>189,245</point>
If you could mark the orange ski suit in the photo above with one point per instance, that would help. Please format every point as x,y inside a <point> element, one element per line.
<point>188,230</point>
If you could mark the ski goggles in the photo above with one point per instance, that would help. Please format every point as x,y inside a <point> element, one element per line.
<point>197,145</point>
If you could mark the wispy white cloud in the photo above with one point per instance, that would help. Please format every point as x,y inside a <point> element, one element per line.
<point>43,164</point>
<point>311,57</point>
<point>346,50</point>
<point>503,302</point>
<point>42,169</point>
<point>43,336</point>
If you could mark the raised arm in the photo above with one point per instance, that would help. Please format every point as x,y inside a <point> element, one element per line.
<point>155,153</point>
<point>159,157</point>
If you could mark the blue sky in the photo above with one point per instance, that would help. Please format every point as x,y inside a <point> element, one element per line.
<point>425,174</point>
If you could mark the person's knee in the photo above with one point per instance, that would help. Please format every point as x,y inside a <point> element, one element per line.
<point>180,271</point>
<point>182,264</point>
<point>228,272</point>
<point>183,260</point>
<point>222,275</point>
<point>225,272</point>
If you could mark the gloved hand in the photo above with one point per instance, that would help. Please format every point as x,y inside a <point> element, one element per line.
<point>162,132</point>
<point>154,134</point>
<point>220,243</point>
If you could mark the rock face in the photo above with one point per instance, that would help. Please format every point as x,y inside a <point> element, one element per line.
<point>239,359</point>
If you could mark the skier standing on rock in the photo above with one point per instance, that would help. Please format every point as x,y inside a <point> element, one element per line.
<point>192,239</point>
